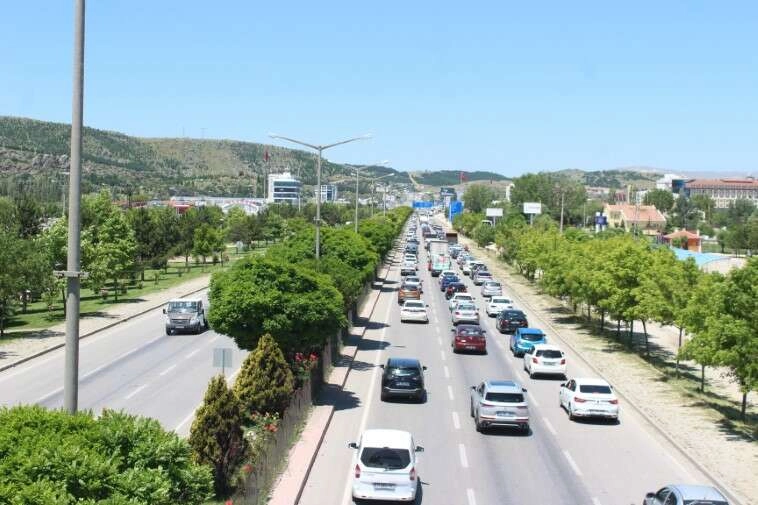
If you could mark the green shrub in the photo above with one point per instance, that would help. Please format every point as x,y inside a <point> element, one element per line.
<point>265,383</point>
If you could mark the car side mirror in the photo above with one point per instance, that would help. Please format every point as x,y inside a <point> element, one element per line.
<point>423,367</point>
<point>523,390</point>
<point>352,445</point>
<point>419,448</point>
<point>473,388</point>
<point>381,366</point>
<point>650,495</point>
<point>563,384</point>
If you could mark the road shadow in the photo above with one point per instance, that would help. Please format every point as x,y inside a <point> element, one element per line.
<point>507,432</point>
<point>361,366</point>
<point>336,396</point>
<point>368,344</point>
<point>33,334</point>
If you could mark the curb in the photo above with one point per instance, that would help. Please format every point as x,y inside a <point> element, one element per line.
<point>729,493</point>
<point>342,385</point>
<point>93,332</point>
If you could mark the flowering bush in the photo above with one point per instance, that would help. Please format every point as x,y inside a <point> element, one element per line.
<point>303,366</point>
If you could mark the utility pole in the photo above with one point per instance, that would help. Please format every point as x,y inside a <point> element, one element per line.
<point>72,273</point>
<point>562,195</point>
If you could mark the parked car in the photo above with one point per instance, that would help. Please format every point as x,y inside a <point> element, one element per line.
<point>447,280</point>
<point>686,494</point>
<point>469,337</point>
<point>185,314</point>
<point>481,276</point>
<point>414,310</point>
<point>497,304</point>
<point>413,280</point>
<point>465,312</point>
<point>589,398</point>
<point>408,293</point>
<point>408,268</point>
<point>384,466</point>
<point>491,288</point>
<point>497,403</point>
<point>453,288</point>
<point>459,297</point>
<point>523,339</point>
<point>544,359</point>
<point>403,377</point>
<point>510,320</point>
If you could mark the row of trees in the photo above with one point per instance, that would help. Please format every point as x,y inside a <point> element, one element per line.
<point>627,280</point>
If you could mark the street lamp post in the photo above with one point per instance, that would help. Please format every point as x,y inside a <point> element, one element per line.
<point>319,149</point>
<point>373,192</point>
<point>357,172</point>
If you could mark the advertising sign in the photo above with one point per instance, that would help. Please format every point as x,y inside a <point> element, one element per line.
<point>532,208</point>
<point>490,212</point>
<point>447,192</point>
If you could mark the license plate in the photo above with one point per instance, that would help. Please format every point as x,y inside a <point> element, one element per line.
<point>384,486</point>
<point>470,347</point>
<point>403,384</point>
<point>504,413</point>
<point>550,364</point>
<point>179,326</point>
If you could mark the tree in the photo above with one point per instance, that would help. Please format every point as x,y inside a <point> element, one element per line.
<point>167,233</point>
<point>705,204</point>
<point>478,197</point>
<point>28,214</point>
<point>145,235</point>
<point>483,234</point>
<point>113,253</point>
<point>188,222</point>
<point>207,241</point>
<point>257,295</point>
<point>216,436</point>
<point>236,226</point>
<point>265,382</point>
<point>8,222</point>
<point>662,200</point>
<point>11,276</point>
<point>739,211</point>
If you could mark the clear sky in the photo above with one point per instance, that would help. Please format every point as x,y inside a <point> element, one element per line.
<point>504,86</point>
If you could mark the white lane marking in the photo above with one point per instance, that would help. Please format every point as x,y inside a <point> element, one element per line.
<point>595,501</point>
<point>442,355</point>
<point>446,371</point>
<point>533,399</point>
<point>188,356</point>
<point>456,421</point>
<point>471,496</point>
<point>500,343</point>
<point>462,454</point>
<point>549,426</point>
<point>437,329</point>
<point>133,393</point>
<point>439,340</point>
<point>167,370</point>
<point>573,464</point>
<point>450,392</point>
<point>214,338</point>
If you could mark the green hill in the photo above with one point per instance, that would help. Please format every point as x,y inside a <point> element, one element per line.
<point>452,177</point>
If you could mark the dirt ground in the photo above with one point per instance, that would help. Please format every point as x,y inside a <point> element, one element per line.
<point>730,455</point>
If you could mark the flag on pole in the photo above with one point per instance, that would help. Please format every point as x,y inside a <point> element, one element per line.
<point>265,155</point>
<point>463,177</point>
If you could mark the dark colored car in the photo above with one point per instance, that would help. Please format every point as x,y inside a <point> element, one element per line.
<point>411,248</point>
<point>403,377</point>
<point>469,337</point>
<point>408,292</point>
<point>453,288</point>
<point>508,321</point>
<point>447,280</point>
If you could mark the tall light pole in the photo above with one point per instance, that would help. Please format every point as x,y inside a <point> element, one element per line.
<point>373,190</point>
<point>72,273</point>
<point>319,149</point>
<point>357,172</point>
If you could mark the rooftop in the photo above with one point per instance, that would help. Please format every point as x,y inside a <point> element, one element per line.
<point>637,213</point>
<point>732,183</point>
<point>504,386</point>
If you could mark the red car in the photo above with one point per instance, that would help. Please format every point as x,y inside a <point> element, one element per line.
<point>469,337</point>
<point>453,288</point>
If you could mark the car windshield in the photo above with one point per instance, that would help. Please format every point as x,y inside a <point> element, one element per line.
<point>460,298</point>
<point>470,332</point>
<point>384,457</point>
<point>182,307</point>
<point>466,306</point>
<point>550,353</point>
<point>505,397</point>
<point>484,274</point>
<point>532,337</point>
<point>412,280</point>
<point>414,305</point>
<point>498,300</point>
<point>492,284</point>
<point>596,389</point>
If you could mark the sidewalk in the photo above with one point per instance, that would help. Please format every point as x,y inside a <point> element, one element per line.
<point>14,351</point>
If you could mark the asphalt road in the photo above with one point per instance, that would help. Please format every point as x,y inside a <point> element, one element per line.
<point>558,462</point>
<point>134,367</point>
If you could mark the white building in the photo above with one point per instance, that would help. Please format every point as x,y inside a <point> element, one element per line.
<point>328,193</point>
<point>667,180</point>
<point>283,188</point>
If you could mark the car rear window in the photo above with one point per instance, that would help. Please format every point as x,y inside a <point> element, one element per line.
<point>415,305</point>
<point>403,371</point>
<point>532,337</point>
<point>550,353</point>
<point>705,502</point>
<point>595,389</point>
<point>470,332</point>
<point>466,306</point>
<point>505,397</point>
<point>384,457</point>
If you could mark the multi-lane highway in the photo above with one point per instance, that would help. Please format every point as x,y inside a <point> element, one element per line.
<point>558,462</point>
<point>133,366</point>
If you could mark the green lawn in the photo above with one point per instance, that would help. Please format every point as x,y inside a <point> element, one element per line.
<point>38,316</point>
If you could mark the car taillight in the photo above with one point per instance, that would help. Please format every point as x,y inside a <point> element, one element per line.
<point>613,402</point>
<point>579,400</point>
<point>457,313</point>
<point>413,473</point>
<point>357,471</point>
<point>535,360</point>
<point>486,404</point>
<point>563,361</point>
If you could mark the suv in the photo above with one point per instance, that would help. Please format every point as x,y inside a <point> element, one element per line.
<point>525,339</point>
<point>185,315</point>
<point>499,403</point>
<point>408,292</point>
<point>509,321</point>
<point>403,377</point>
<point>481,276</point>
<point>681,494</point>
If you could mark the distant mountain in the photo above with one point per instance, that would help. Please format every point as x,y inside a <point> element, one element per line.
<point>638,177</point>
<point>453,177</point>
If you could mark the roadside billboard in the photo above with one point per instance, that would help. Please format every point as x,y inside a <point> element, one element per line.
<point>494,212</point>
<point>532,208</point>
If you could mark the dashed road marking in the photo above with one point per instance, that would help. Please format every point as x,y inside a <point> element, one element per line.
<point>549,426</point>
<point>167,370</point>
<point>595,501</point>
<point>188,356</point>
<point>443,356</point>
<point>439,340</point>
<point>462,454</point>
<point>573,464</point>
<point>133,393</point>
<point>446,371</point>
<point>471,496</point>
<point>450,392</point>
<point>533,399</point>
<point>456,421</point>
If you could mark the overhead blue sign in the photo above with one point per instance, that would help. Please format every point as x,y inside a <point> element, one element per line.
<point>422,205</point>
<point>455,209</point>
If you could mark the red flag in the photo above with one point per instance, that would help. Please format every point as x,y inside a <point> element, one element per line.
<point>265,155</point>
<point>463,177</point>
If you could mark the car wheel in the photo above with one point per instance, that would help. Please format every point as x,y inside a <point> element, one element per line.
<point>471,409</point>
<point>479,427</point>
<point>169,331</point>
<point>531,374</point>
<point>383,397</point>
<point>571,412</point>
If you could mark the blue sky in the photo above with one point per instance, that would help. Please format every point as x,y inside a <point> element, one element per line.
<point>510,87</point>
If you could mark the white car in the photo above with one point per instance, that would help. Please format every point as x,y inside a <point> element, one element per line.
<point>459,297</point>
<point>481,276</point>
<point>414,281</point>
<point>408,268</point>
<point>589,398</point>
<point>491,288</point>
<point>545,359</point>
<point>414,310</point>
<point>497,304</point>
<point>465,312</point>
<point>410,257</point>
<point>384,466</point>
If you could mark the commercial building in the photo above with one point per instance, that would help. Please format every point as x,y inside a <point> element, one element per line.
<point>723,191</point>
<point>283,188</point>
<point>328,193</point>
<point>645,218</point>
<point>670,182</point>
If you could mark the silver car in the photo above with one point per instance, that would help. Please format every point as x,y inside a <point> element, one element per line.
<point>491,288</point>
<point>414,281</point>
<point>465,312</point>
<point>414,310</point>
<point>499,403</point>
<point>481,276</point>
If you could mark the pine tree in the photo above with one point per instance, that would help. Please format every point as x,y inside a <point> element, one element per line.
<point>216,436</point>
<point>265,382</point>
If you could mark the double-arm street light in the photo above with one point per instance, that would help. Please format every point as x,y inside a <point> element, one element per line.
<point>357,172</point>
<point>373,192</point>
<point>319,149</point>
